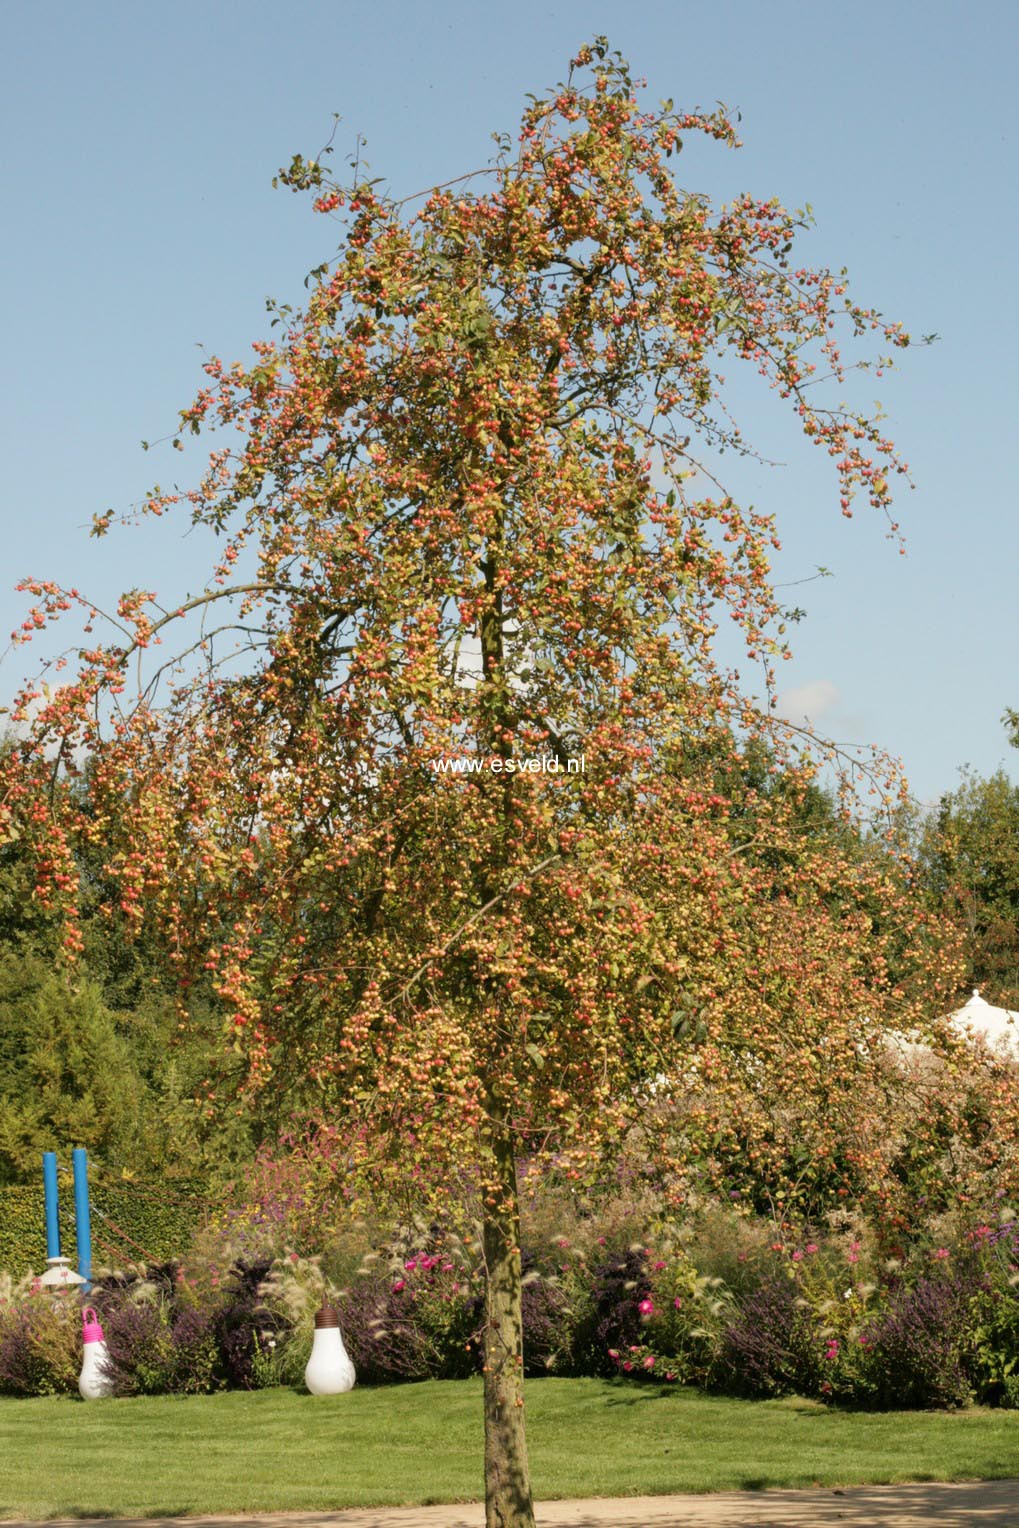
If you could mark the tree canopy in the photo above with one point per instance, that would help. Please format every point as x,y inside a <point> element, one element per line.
<point>424,794</point>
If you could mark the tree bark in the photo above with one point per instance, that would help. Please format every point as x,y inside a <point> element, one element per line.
<point>507,1479</point>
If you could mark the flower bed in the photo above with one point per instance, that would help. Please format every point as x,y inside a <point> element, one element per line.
<point>709,1301</point>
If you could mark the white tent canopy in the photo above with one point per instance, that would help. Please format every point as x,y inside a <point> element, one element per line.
<point>995,1025</point>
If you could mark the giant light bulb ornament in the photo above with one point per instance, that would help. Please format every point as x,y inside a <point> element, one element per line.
<point>329,1370</point>
<point>93,1381</point>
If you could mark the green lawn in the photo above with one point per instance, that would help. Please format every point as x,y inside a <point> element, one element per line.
<point>273,1450</point>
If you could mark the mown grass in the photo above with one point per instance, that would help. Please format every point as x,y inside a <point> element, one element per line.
<point>278,1450</point>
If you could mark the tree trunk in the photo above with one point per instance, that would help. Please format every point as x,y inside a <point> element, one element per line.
<point>507,1479</point>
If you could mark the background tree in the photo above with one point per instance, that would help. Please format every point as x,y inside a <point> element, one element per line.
<point>66,1077</point>
<point>968,861</point>
<point>101,1061</point>
<point>463,518</point>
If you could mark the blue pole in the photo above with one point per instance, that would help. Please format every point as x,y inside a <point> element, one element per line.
<point>82,1223</point>
<point>49,1188</point>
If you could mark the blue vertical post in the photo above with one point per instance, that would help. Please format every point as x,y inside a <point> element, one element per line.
<point>82,1222</point>
<point>49,1188</point>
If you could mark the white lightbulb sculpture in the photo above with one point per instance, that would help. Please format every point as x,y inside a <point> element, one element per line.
<point>93,1381</point>
<point>329,1370</point>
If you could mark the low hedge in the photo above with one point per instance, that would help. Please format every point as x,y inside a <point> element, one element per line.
<point>131,1222</point>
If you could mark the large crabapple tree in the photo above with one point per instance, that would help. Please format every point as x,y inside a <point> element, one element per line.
<point>421,786</point>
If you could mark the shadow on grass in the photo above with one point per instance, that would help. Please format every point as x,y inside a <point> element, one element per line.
<point>103,1514</point>
<point>632,1397</point>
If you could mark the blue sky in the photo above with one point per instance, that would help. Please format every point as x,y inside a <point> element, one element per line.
<point>139,147</point>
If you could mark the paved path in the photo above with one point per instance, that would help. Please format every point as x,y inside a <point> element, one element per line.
<point>982,1504</point>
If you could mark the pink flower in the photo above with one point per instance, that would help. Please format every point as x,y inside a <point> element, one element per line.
<point>400,1284</point>
<point>668,1375</point>
<point>677,1302</point>
<point>646,1307</point>
<point>656,1267</point>
<point>797,1257</point>
<point>649,1361</point>
<point>811,1247</point>
<point>614,1353</point>
<point>852,1257</point>
<point>411,1265</point>
<point>940,1251</point>
<point>627,1365</point>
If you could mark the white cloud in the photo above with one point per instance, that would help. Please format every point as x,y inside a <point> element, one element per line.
<point>809,702</point>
